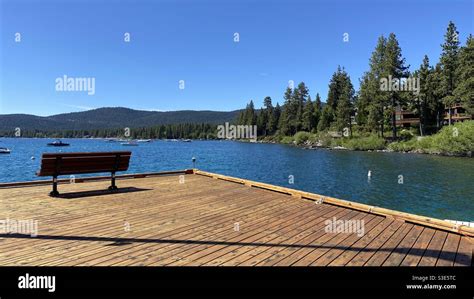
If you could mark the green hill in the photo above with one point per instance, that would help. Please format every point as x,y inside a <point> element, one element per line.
<point>116,117</point>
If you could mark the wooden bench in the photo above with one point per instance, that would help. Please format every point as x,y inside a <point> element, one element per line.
<point>56,164</point>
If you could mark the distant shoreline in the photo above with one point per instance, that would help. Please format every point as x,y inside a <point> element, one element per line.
<point>309,145</point>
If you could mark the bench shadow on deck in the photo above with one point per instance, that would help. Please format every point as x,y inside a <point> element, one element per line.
<point>168,220</point>
<point>93,193</point>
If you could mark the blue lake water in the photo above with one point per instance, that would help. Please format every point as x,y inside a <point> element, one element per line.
<point>440,187</point>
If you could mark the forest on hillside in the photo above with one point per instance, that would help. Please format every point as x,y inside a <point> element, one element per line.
<point>371,109</point>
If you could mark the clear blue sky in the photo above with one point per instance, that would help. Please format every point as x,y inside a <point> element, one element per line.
<point>193,41</point>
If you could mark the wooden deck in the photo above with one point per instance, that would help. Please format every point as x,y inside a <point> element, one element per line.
<point>210,220</point>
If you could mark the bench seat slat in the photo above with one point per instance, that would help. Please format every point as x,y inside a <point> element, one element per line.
<point>88,154</point>
<point>91,166</point>
<point>78,170</point>
<point>78,163</point>
<point>74,172</point>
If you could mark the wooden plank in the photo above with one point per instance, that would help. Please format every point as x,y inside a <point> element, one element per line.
<point>349,248</point>
<point>142,251</point>
<point>416,252</point>
<point>192,224</point>
<point>104,209</point>
<point>335,240</point>
<point>224,226</point>
<point>196,228</point>
<point>363,256</point>
<point>147,209</point>
<point>430,256</point>
<point>381,255</point>
<point>276,240</point>
<point>464,254</point>
<point>55,256</point>
<point>222,235</point>
<point>290,256</point>
<point>426,221</point>
<point>258,234</point>
<point>448,253</point>
<point>300,239</point>
<point>396,257</point>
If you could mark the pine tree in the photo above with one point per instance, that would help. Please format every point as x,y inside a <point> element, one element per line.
<point>394,65</point>
<point>308,116</point>
<point>340,98</point>
<point>371,101</point>
<point>327,117</point>
<point>250,116</point>
<point>334,93</point>
<point>270,117</point>
<point>449,64</point>
<point>317,111</point>
<point>344,102</point>
<point>465,74</point>
<point>300,96</point>
<point>241,118</point>
<point>425,101</point>
<point>334,89</point>
<point>276,118</point>
<point>262,120</point>
<point>287,121</point>
<point>436,86</point>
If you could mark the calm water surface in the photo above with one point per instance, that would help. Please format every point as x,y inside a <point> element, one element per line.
<point>441,187</point>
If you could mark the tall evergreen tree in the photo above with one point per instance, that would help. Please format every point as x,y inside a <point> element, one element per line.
<point>288,119</point>
<point>241,118</point>
<point>394,65</point>
<point>344,102</point>
<point>340,99</point>
<point>335,89</point>
<point>276,117</point>
<point>449,64</point>
<point>425,96</point>
<point>465,74</point>
<point>436,86</point>
<point>250,116</point>
<point>317,111</point>
<point>327,117</point>
<point>308,116</point>
<point>269,116</point>
<point>300,97</point>
<point>372,101</point>
<point>262,120</point>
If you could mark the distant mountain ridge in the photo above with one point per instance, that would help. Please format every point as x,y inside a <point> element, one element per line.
<point>112,117</point>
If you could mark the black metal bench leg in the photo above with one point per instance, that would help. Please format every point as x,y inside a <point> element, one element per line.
<point>113,186</point>
<point>55,187</point>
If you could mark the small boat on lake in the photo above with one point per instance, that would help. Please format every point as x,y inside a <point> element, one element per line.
<point>4,150</point>
<point>186,140</point>
<point>143,140</point>
<point>58,143</point>
<point>130,143</point>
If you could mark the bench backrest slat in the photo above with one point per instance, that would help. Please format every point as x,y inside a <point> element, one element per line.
<point>54,164</point>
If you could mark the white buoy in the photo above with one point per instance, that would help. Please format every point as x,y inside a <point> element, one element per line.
<point>32,158</point>
<point>369,174</point>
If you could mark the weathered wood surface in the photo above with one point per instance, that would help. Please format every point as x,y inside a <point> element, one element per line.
<point>201,221</point>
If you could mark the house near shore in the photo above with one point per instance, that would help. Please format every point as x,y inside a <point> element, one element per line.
<point>458,113</point>
<point>406,118</point>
